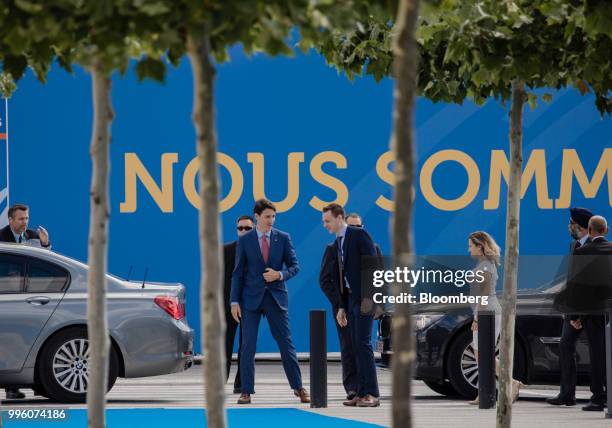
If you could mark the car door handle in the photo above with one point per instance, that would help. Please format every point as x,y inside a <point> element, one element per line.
<point>38,300</point>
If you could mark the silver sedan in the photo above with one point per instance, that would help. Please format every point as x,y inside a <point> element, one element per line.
<point>43,325</point>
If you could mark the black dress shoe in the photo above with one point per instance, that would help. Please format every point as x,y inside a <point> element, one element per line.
<point>593,407</point>
<point>14,394</point>
<point>558,401</point>
<point>237,389</point>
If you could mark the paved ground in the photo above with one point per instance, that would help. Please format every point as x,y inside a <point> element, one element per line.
<point>430,409</point>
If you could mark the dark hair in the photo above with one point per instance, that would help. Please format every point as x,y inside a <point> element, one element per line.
<point>336,209</point>
<point>17,207</point>
<point>261,205</point>
<point>245,217</point>
<point>354,215</point>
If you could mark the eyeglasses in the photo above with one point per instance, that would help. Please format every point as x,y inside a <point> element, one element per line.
<point>241,228</point>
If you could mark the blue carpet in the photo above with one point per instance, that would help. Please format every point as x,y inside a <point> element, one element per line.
<point>165,418</point>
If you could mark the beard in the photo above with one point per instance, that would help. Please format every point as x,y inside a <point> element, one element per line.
<point>574,234</point>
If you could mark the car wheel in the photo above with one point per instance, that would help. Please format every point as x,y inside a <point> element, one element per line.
<point>63,366</point>
<point>462,366</point>
<point>444,388</point>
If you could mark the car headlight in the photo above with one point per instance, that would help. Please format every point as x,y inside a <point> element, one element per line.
<point>421,322</point>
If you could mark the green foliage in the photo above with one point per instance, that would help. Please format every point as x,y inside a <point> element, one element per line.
<point>113,32</point>
<point>475,48</point>
<point>35,34</point>
<point>7,85</point>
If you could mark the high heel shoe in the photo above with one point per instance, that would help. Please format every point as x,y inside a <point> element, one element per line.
<point>474,402</point>
<point>517,385</point>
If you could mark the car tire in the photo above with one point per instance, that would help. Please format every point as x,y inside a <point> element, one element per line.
<point>444,388</point>
<point>39,390</point>
<point>67,352</point>
<point>461,374</point>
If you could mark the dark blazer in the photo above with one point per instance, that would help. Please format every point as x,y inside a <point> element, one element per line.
<point>229,260</point>
<point>329,276</point>
<point>357,243</point>
<point>248,284</point>
<point>589,283</point>
<point>6,235</point>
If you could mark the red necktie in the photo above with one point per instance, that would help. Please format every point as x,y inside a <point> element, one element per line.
<point>265,248</point>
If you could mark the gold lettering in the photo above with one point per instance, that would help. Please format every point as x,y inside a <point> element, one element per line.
<point>327,180</point>
<point>384,172</point>
<point>473,180</point>
<point>535,169</point>
<point>572,167</point>
<point>134,169</point>
<point>293,180</point>
<point>236,178</point>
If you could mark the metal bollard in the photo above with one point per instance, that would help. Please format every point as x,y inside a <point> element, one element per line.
<point>486,360</point>
<point>609,357</point>
<point>318,359</point>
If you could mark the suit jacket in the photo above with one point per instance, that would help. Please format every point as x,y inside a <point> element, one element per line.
<point>248,284</point>
<point>229,260</point>
<point>329,277</point>
<point>589,282</point>
<point>6,235</point>
<point>357,243</point>
<point>572,252</point>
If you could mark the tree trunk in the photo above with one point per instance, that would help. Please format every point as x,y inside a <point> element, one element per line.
<point>402,143</point>
<point>213,323</point>
<point>506,353</point>
<point>97,325</point>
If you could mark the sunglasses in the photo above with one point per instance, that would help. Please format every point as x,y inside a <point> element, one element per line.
<point>241,228</point>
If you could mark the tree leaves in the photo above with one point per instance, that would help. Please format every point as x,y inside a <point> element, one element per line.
<point>475,48</point>
<point>152,68</point>
<point>7,85</point>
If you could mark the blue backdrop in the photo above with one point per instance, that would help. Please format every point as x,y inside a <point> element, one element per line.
<point>276,107</point>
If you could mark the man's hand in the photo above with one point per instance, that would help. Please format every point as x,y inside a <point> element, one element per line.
<point>577,324</point>
<point>366,306</point>
<point>271,275</point>
<point>43,235</point>
<point>236,313</point>
<point>341,318</point>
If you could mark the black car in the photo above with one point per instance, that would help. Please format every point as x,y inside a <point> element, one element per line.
<point>445,357</point>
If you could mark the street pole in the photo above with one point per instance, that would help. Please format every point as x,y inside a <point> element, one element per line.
<point>486,360</point>
<point>318,359</point>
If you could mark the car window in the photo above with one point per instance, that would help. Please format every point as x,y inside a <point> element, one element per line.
<point>44,277</point>
<point>11,273</point>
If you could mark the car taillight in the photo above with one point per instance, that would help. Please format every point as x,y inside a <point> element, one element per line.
<point>172,306</point>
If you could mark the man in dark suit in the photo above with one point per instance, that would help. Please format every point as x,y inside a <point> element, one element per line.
<point>244,224</point>
<point>351,245</point>
<point>329,283</point>
<point>590,286</point>
<point>265,259</point>
<point>17,232</point>
<point>578,228</point>
<point>355,220</point>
